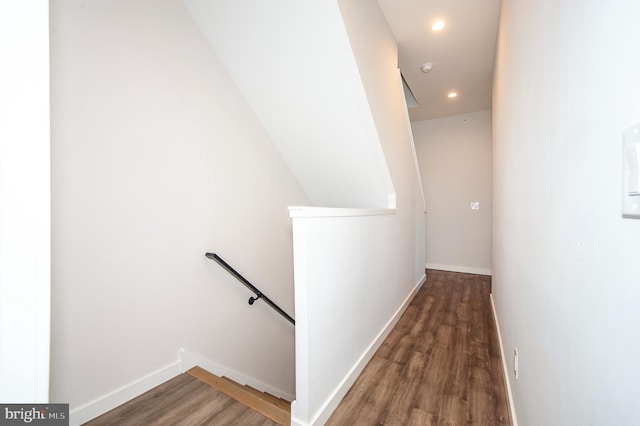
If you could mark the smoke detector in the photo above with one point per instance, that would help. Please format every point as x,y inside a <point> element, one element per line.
<point>425,68</point>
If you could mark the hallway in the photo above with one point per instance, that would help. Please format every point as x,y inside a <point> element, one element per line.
<point>439,365</point>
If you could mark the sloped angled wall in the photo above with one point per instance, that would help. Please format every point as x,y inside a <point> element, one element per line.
<point>157,159</point>
<point>356,270</point>
<point>293,63</point>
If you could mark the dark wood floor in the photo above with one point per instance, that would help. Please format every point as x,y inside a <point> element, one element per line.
<point>440,365</point>
<point>185,401</point>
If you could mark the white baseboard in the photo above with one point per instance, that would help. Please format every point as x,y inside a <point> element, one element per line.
<point>190,359</point>
<point>187,359</point>
<point>99,406</point>
<point>421,281</point>
<point>512,407</point>
<point>455,268</point>
<point>341,390</point>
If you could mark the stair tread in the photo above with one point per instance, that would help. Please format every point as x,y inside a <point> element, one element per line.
<point>282,403</point>
<point>263,403</point>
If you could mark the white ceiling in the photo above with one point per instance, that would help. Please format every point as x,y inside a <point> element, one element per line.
<point>462,53</point>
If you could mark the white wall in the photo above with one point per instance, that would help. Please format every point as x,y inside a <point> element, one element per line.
<point>355,274</point>
<point>565,262</point>
<point>376,53</point>
<point>454,154</point>
<point>157,159</point>
<point>349,294</point>
<point>25,209</point>
<point>293,63</point>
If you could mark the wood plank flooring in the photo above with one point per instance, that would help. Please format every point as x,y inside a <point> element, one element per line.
<point>182,401</point>
<point>274,408</point>
<point>440,365</point>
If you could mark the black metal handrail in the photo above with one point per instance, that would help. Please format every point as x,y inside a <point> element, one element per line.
<point>243,280</point>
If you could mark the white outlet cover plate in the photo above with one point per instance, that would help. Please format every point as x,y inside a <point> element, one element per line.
<point>631,172</point>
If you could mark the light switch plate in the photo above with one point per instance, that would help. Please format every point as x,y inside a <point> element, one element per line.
<point>631,172</point>
<point>475,205</point>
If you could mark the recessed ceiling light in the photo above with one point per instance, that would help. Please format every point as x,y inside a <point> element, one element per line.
<point>452,95</point>
<point>438,25</point>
